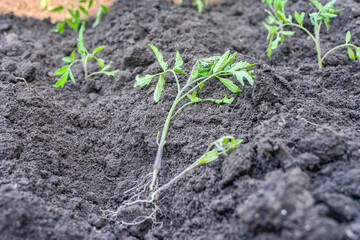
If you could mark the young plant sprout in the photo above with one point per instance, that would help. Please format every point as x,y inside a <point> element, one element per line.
<point>219,147</point>
<point>200,4</point>
<point>66,72</point>
<point>277,21</point>
<point>75,9</point>
<point>219,67</point>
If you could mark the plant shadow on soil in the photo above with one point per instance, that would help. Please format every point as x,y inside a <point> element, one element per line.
<point>67,155</point>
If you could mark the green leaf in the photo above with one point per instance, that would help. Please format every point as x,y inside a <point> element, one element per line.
<point>221,64</point>
<point>159,57</point>
<point>243,74</point>
<point>106,67</point>
<point>281,16</point>
<point>72,55</point>
<point>159,88</point>
<point>62,80</point>
<point>84,10</point>
<point>102,9</point>
<point>208,157</point>
<point>100,62</point>
<point>90,3</point>
<point>60,27</point>
<point>317,4</point>
<point>231,59</point>
<point>288,33</point>
<point>67,59</point>
<point>193,97</point>
<point>80,45</point>
<point>348,37</point>
<point>98,49</point>
<point>179,62</point>
<point>142,81</point>
<point>112,73</point>
<point>225,100</point>
<point>61,70</point>
<point>71,76</point>
<point>180,71</point>
<point>58,9</point>
<point>230,85</point>
<point>351,54</point>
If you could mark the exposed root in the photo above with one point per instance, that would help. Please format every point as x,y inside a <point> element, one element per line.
<point>139,208</point>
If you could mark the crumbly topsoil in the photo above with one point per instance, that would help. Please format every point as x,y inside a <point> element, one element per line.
<point>68,155</point>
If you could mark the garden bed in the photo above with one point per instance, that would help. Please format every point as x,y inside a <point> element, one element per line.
<point>68,155</point>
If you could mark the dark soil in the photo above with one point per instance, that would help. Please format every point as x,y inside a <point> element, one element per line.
<point>68,155</point>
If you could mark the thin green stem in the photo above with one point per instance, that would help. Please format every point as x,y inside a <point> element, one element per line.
<point>302,28</point>
<point>177,80</point>
<point>335,48</point>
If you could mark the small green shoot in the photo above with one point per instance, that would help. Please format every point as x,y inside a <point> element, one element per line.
<point>76,9</point>
<point>277,21</point>
<point>65,71</point>
<point>200,4</point>
<point>219,67</point>
<point>219,147</point>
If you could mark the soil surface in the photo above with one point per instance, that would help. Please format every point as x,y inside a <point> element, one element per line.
<point>67,156</point>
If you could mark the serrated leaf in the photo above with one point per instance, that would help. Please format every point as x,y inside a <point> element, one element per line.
<point>159,57</point>
<point>58,9</point>
<point>159,88</point>
<point>348,37</point>
<point>318,5</point>
<point>179,62</point>
<point>351,54</point>
<point>98,49</point>
<point>142,81</point>
<point>61,70</point>
<point>230,85</point>
<point>62,80</point>
<point>243,74</point>
<point>221,64</point>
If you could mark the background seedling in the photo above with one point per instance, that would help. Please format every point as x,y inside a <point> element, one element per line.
<point>219,67</point>
<point>66,72</point>
<point>277,21</point>
<point>75,9</point>
<point>219,147</point>
<point>200,4</point>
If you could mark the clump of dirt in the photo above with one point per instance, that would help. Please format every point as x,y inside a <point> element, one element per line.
<point>68,155</point>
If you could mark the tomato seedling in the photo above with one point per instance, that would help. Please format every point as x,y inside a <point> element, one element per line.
<point>75,9</point>
<point>219,67</point>
<point>277,21</point>
<point>66,72</point>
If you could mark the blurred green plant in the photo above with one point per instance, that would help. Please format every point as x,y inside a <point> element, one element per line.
<point>76,9</point>
<point>200,4</point>
<point>277,21</point>
<point>220,67</point>
<point>65,70</point>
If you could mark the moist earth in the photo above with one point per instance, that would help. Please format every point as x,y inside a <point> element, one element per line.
<point>68,155</point>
